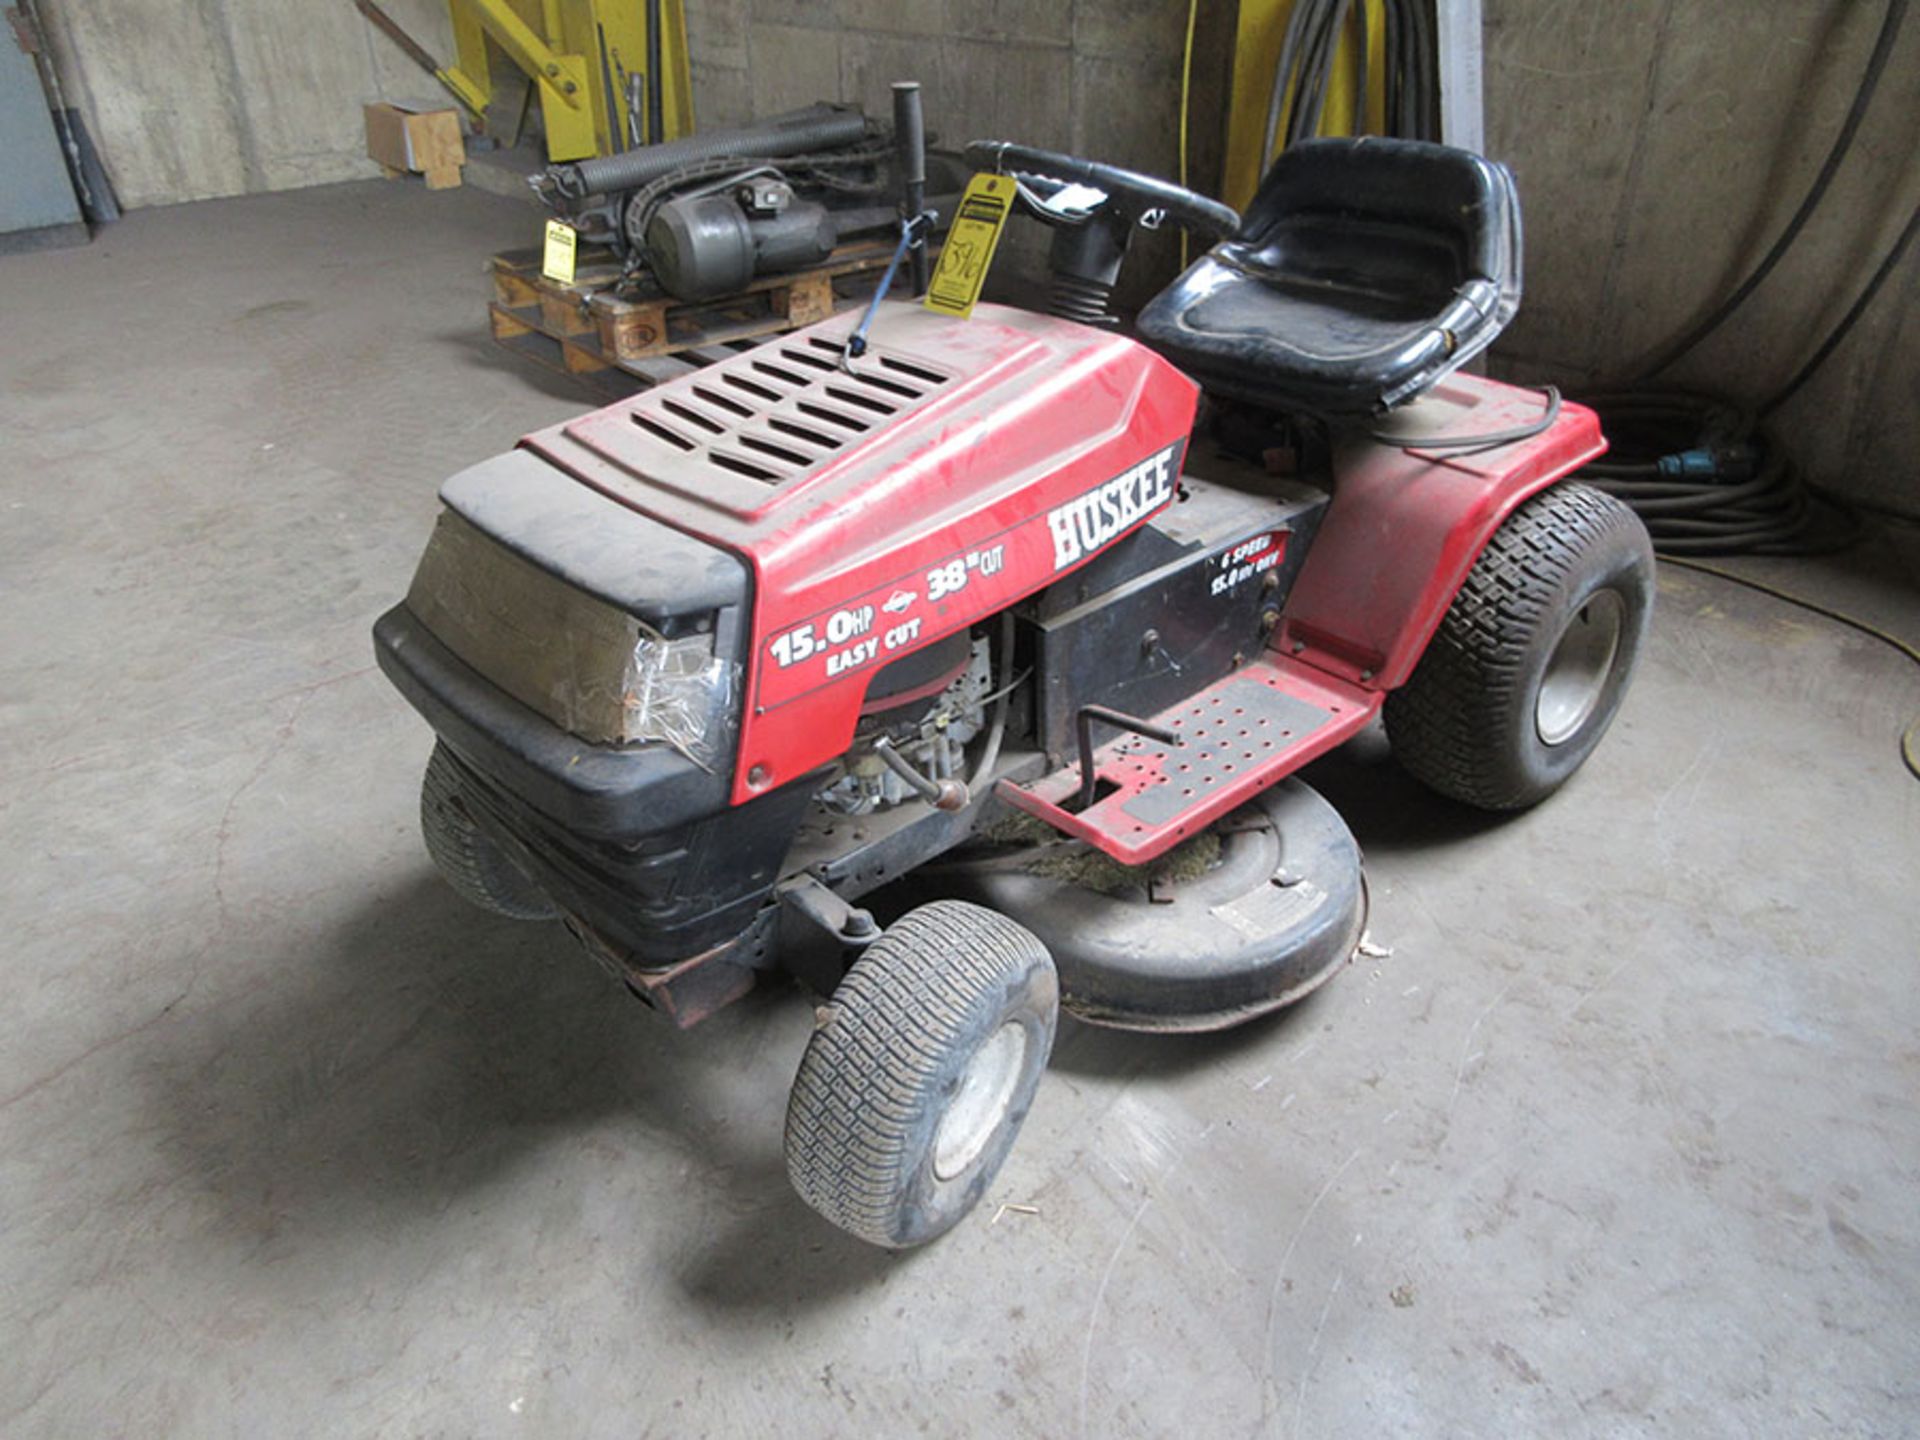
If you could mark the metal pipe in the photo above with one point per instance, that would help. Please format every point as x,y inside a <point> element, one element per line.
<point>941,794</point>
<point>1083,725</point>
<point>910,153</point>
<point>656,92</point>
<point>997,732</point>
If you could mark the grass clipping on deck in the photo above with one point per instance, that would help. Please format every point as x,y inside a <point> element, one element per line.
<point>1074,862</point>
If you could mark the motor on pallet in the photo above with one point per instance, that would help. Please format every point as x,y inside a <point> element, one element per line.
<point>824,150</point>
<point>707,214</point>
<point>701,245</point>
<point>713,242</point>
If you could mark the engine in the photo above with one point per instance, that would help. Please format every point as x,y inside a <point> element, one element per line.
<point>930,736</point>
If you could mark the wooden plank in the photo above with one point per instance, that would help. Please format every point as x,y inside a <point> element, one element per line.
<point>564,313</point>
<point>506,325</point>
<point>630,330</point>
<point>511,289</point>
<point>808,300</point>
<point>634,329</point>
<point>586,331</point>
<point>581,359</point>
<point>513,334</point>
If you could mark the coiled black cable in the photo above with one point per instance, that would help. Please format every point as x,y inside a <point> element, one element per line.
<point>1708,479</point>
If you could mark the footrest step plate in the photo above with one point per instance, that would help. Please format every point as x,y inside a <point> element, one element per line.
<point>1239,735</point>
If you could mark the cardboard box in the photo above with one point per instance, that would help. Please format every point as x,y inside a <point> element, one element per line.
<point>425,141</point>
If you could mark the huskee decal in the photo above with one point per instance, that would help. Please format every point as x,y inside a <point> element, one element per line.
<point>1089,521</point>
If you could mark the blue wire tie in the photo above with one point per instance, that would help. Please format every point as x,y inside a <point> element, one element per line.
<point>911,231</point>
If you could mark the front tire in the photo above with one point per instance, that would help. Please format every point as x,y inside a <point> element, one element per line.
<point>921,1072</point>
<point>467,858</point>
<point>1534,656</point>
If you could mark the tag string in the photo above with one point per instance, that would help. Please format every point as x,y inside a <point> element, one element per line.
<point>912,232</point>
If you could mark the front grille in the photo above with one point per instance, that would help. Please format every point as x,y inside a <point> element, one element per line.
<point>773,414</point>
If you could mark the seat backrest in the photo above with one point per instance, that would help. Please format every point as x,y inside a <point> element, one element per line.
<point>1413,209</point>
<point>1364,270</point>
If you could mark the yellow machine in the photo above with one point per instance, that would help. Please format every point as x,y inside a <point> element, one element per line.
<point>609,73</point>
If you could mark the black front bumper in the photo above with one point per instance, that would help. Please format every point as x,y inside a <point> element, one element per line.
<point>610,792</point>
<point>637,843</point>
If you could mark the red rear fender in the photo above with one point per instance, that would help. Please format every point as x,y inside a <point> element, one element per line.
<point>1406,525</point>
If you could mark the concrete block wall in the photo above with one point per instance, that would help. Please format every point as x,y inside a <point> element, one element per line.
<point>191,99</point>
<point>1660,146</point>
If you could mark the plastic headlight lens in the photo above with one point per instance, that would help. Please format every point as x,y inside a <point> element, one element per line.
<point>679,693</point>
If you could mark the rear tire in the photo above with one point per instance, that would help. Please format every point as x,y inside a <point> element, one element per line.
<point>921,1072</point>
<point>1533,658</point>
<point>477,868</point>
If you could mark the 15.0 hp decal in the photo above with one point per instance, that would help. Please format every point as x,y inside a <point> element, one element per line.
<point>846,636</point>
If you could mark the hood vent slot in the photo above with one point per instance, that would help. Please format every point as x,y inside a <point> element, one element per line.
<point>769,415</point>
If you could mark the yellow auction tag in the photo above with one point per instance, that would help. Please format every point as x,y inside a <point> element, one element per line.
<point>556,260</point>
<point>964,259</point>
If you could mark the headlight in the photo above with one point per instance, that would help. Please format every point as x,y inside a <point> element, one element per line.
<point>591,668</point>
<point>680,693</point>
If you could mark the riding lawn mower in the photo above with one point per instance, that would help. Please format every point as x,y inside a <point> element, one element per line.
<point>1031,620</point>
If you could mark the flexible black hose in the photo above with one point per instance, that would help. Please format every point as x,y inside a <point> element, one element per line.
<point>1309,48</point>
<point>1410,83</point>
<point>1462,446</point>
<point>1842,143</point>
<point>1362,71</point>
<point>1706,480</point>
<point>997,728</point>
<point>1316,70</point>
<point>1847,321</point>
<point>630,169</point>
<point>1291,44</point>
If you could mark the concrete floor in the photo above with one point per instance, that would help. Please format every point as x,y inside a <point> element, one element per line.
<point>1621,1138</point>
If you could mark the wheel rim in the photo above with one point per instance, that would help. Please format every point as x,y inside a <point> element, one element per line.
<point>980,1104</point>
<point>1577,672</point>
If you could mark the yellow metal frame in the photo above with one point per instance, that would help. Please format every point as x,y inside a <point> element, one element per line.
<point>578,52</point>
<point>1256,50</point>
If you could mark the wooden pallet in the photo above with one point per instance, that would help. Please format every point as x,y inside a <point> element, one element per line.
<point>615,346</point>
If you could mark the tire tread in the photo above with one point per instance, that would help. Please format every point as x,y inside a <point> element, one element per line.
<point>1443,721</point>
<point>917,992</point>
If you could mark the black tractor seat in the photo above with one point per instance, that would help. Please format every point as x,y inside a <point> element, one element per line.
<point>1364,271</point>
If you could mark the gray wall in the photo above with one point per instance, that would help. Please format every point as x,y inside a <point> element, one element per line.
<point>1660,147</point>
<point>189,99</point>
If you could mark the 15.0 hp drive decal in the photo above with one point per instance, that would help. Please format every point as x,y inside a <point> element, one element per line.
<point>925,604</point>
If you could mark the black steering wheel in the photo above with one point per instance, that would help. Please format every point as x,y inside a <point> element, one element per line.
<point>1135,196</point>
<point>1089,245</point>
